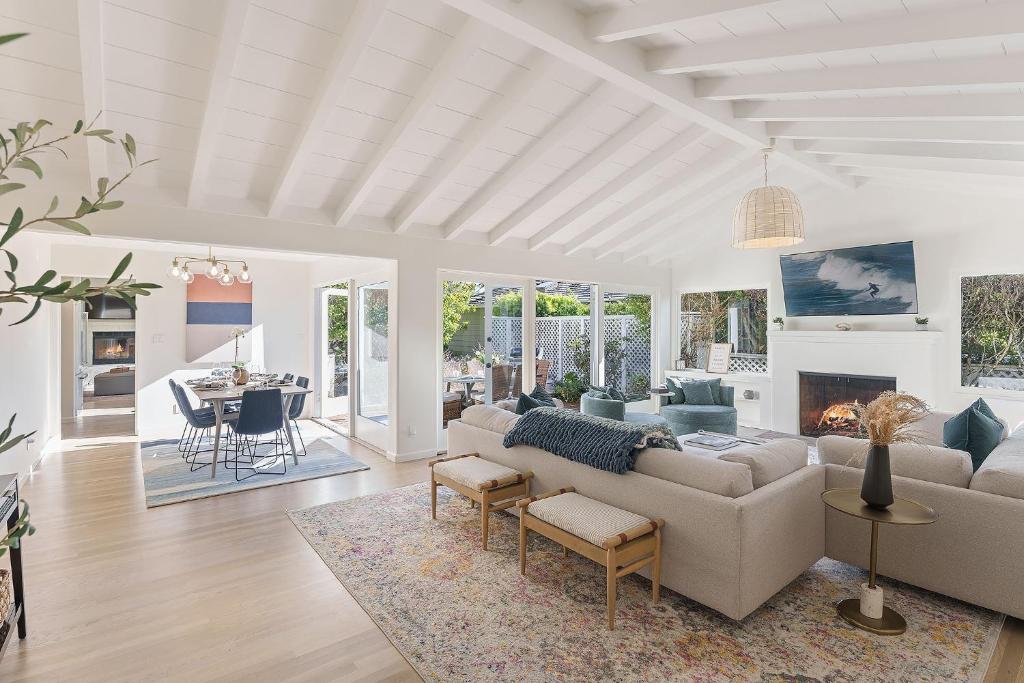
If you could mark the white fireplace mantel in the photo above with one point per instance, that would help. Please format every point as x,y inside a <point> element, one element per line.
<point>912,357</point>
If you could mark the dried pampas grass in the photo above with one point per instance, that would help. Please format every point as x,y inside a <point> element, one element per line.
<point>888,419</point>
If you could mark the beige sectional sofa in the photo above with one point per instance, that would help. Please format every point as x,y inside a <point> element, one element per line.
<point>736,532</point>
<point>739,526</point>
<point>975,551</point>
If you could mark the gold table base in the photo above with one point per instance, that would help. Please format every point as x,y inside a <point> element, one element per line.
<point>891,623</point>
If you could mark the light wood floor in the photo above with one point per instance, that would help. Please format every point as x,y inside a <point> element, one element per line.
<point>221,589</point>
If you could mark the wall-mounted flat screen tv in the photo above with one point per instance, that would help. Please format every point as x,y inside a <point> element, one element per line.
<point>874,280</point>
<point>107,307</point>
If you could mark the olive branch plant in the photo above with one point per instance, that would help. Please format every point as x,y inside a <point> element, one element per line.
<point>19,161</point>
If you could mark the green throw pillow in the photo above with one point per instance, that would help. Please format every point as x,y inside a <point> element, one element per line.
<point>540,395</point>
<point>612,392</point>
<point>698,394</point>
<point>975,430</point>
<point>675,387</point>
<point>527,402</point>
<point>597,393</point>
<point>716,389</point>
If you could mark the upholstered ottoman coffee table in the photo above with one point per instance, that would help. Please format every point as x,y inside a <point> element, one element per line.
<point>493,486</point>
<point>622,541</point>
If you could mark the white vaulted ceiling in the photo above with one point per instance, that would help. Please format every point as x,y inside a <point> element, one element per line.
<point>588,127</point>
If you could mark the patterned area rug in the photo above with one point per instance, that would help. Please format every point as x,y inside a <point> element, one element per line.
<point>460,614</point>
<point>169,479</point>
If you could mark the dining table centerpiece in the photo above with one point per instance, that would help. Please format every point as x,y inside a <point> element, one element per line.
<point>239,374</point>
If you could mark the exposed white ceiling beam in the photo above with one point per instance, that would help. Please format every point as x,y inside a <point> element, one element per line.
<point>455,56</point>
<point>933,150</point>
<point>975,107</point>
<point>658,16</point>
<point>972,166</point>
<point>1001,71</point>
<point>623,181</point>
<point>558,29</point>
<point>577,116</point>
<point>957,23</point>
<point>216,95</point>
<point>983,180</point>
<point>494,117</point>
<point>349,46</point>
<point>90,43</point>
<point>705,189</point>
<point>626,136</point>
<point>1002,132</point>
<point>935,185</point>
<point>679,185</point>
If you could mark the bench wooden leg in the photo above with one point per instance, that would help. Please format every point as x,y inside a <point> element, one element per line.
<point>565,551</point>
<point>522,542</point>
<point>485,505</point>
<point>611,588</point>
<point>433,496</point>
<point>656,569</point>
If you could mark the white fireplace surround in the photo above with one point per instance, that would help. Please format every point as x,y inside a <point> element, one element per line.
<point>911,357</point>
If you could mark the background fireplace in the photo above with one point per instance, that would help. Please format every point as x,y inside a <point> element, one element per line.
<point>821,396</point>
<point>113,348</point>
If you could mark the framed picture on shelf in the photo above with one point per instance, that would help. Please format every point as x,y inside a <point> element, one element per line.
<point>718,358</point>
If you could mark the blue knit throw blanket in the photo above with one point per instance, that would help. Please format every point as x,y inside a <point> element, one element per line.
<point>606,444</point>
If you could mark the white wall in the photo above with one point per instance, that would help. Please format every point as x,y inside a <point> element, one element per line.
<point>954,235</point>
<point>29,361</point>
<point>282,315</point>
<point>419,262</point>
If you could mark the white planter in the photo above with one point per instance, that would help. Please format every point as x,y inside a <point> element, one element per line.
<point>922,328</point>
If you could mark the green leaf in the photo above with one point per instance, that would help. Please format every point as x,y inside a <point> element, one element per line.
<point>98,132</point>
<point>13,259</point>
<point>108,206</point>
<point>121,267</point>
<point>70,225</point>
<point>53,205</point>
<point>29,164</point>
<point>11,299</point>
<point>10,187</point>
<point>16,219</point>
<point>129,143</point>
<point>102,184</point>
<point>83,208</point>
<point>78,125</point>
<point>46,277</point>
<point>40,124</point>
<point>11,36</point>
<point>32,312</point>
<point>12,228</point>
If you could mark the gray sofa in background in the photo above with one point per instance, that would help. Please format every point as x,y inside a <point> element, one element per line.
<point>613,409</point>
<point>685,418</point>
<point>114,383</point>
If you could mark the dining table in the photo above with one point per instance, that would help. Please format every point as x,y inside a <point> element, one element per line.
<point>218,396</point>
<point>467,381</point>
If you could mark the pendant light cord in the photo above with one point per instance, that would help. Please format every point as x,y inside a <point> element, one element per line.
<point>766,168</point>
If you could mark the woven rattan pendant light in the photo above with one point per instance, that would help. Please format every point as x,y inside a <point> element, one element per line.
<point>767,217</point>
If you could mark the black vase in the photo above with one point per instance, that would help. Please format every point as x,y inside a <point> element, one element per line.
<point>876,490</point>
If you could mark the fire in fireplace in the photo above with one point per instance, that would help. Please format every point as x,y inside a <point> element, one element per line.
<point>823,398</point>
<point>113,348</point>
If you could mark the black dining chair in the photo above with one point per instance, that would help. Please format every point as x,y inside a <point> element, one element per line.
<point>260,415</point>
<point>200,421</point>
<point>295,411</point>
<point>287,377</point>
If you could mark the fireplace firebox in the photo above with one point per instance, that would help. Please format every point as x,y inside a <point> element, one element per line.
<point>113,348</point>
<point>822,399</point>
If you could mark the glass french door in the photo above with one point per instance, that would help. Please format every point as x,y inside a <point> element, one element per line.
<point>481,344</point>
<point>374,349</point>
<point>334,354</point>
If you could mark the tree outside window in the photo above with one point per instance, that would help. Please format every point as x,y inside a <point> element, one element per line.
<point>992,331</point>
<point>739,316</point>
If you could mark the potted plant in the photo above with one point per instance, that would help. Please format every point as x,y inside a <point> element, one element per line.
<point>921,322</point>
<point>239,373</point>
<point>778,323</point>
<point>885,421</point>
<point>569,389</point>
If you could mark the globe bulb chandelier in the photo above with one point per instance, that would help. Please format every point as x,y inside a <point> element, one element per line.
<point>768,217</point>
<point>215,269</point>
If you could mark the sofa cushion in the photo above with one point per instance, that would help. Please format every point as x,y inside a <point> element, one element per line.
<point>491,418</point>
<point>935,464</point>
<point>698,394</point>
<point>473,472</point>
<point>611,392</point>
<point>586,518</point>
<point>1002,473</point>
<point>770,461</point>
<point>696,470</point>
<point>540,394</point>
<point>675,388</point>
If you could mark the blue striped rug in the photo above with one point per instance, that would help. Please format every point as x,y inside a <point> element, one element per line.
<point>168,479</point>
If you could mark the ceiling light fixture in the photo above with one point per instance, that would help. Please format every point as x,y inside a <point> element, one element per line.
<point>768,217</point>
<point>212,267</point>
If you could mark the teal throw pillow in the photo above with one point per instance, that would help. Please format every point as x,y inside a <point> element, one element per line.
<point>612,392</point>
<point>597,393</point>
<point>540,395</point>
<point>676,396</point>
<point>716,389</point>
<point>527,402</point>
<point>975,430</point>
<point>698,394</point>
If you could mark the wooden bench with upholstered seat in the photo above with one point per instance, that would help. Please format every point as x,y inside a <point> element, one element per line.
<point>622,541</point>
<point>495,487</point>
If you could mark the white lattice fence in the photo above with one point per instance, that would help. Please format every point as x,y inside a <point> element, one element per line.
<point>556,335</point>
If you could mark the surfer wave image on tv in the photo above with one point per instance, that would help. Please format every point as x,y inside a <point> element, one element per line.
<point>879,279</point>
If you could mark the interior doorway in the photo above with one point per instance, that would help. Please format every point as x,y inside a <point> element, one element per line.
<point>98,362</point>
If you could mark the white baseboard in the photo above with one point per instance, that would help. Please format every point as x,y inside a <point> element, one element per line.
<point>409,457</point>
